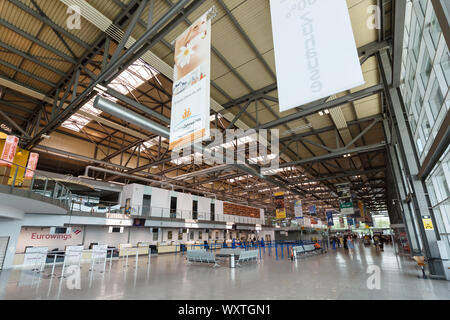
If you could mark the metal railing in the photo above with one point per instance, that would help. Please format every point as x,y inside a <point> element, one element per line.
<point>157,212</point>
<point>40,184</point>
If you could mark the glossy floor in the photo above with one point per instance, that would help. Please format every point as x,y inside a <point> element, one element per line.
<point>336,275</point>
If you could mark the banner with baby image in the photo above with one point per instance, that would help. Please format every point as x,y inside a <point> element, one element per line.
<point>189,120</point>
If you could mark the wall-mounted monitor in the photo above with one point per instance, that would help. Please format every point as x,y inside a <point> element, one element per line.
<point>60,230</point>
<point>138,222</point>
<point>115,230</point>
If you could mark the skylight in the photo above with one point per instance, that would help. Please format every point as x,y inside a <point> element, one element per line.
<point>129,80</point>
<point>153,142</point>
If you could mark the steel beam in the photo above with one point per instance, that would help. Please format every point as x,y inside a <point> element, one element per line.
<point>418,196</point>
<point>315,107</point>
<point>397,48</point>
<point>143,44</point>
<point>336,154</point>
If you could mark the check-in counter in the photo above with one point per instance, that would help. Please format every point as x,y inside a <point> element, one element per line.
<point>127,248</point>
<point>168,248</point>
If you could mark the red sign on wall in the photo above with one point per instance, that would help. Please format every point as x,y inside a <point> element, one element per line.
<point>9,151</point>
<point>32,164</point>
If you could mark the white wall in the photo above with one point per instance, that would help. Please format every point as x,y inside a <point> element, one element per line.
<point>141,235</point>
<point>100,235</point>
<point>161,204</point>
<point>204,207</point>
<point>10,228</point>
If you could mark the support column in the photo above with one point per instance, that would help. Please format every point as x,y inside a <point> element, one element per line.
<point>417,198</point>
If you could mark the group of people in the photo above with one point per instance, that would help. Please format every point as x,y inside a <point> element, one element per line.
<point>380,240</point>
<point>345,241</point>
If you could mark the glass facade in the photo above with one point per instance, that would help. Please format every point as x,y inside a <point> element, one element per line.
<point>425,90</point>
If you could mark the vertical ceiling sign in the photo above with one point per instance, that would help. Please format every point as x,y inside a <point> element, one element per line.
<point>315,50</point>
<point>191,84</point>
<point>280,210</point>
<point>32,164</point>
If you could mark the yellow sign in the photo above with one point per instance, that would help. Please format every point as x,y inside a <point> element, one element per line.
<point>427,223</point>
<point>281,213</point>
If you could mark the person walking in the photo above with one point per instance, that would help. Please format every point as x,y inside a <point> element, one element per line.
<point>350,243</point>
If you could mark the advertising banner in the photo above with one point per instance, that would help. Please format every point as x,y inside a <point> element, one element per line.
<point>307,47</point>
<point>361,208</point>
<point>280,209</point>
<point>343,190</point>
<point>298,209</point>
<point>330,221</point>
<point>32,164</point>
<point>342,222</point>
<point>349,221</point>
<point>307,222</point>
<point>367,217</point>
<point>346,208</point>
<point>9,151</point>
<point>189,120</point>
<point>312,210</point>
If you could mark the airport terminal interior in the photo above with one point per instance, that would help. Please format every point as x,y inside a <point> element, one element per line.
<point>224,149</point>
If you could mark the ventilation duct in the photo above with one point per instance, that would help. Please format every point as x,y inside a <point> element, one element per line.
<point>130,116</point>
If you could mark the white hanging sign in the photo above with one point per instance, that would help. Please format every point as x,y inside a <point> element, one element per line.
<point>315,51</point>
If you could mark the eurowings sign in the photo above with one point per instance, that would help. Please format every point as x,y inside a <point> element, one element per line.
<point>315,51</point>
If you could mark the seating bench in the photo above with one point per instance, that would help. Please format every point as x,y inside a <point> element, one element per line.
<point>245,256</point>
<point>201,256</point>
<point>298,250</point>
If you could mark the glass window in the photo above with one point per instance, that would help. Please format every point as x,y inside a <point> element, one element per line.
<point>436,99</point>
<point>423,6</point>
<point>419,145</point>
<point>169,235</point>
<point>442,184</point>
<point>417,37</point>
<point>426,68</point>
<point>434,30</point>
<point>445,65</point>
<point>426,128</point>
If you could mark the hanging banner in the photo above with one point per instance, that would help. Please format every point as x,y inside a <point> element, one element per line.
<point>307,47</point>
<point>330,221</point>
<point>349,221</point>
<point>346,208</point>
<point>367,217</point>
<point>361,208</point>
<point>307,222</point>
<point>32,164</point>
<point>343,190</point>
<point>298,209</point>
<point>9,151</point>
<point>341,222</point>
<point>189,121</point>
<point>312,210</point>
<point>280,209</point>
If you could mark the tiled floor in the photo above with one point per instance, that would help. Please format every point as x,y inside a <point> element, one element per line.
<point>335,275</point>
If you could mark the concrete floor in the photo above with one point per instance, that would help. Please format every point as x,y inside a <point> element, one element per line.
<point>336,275</point>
